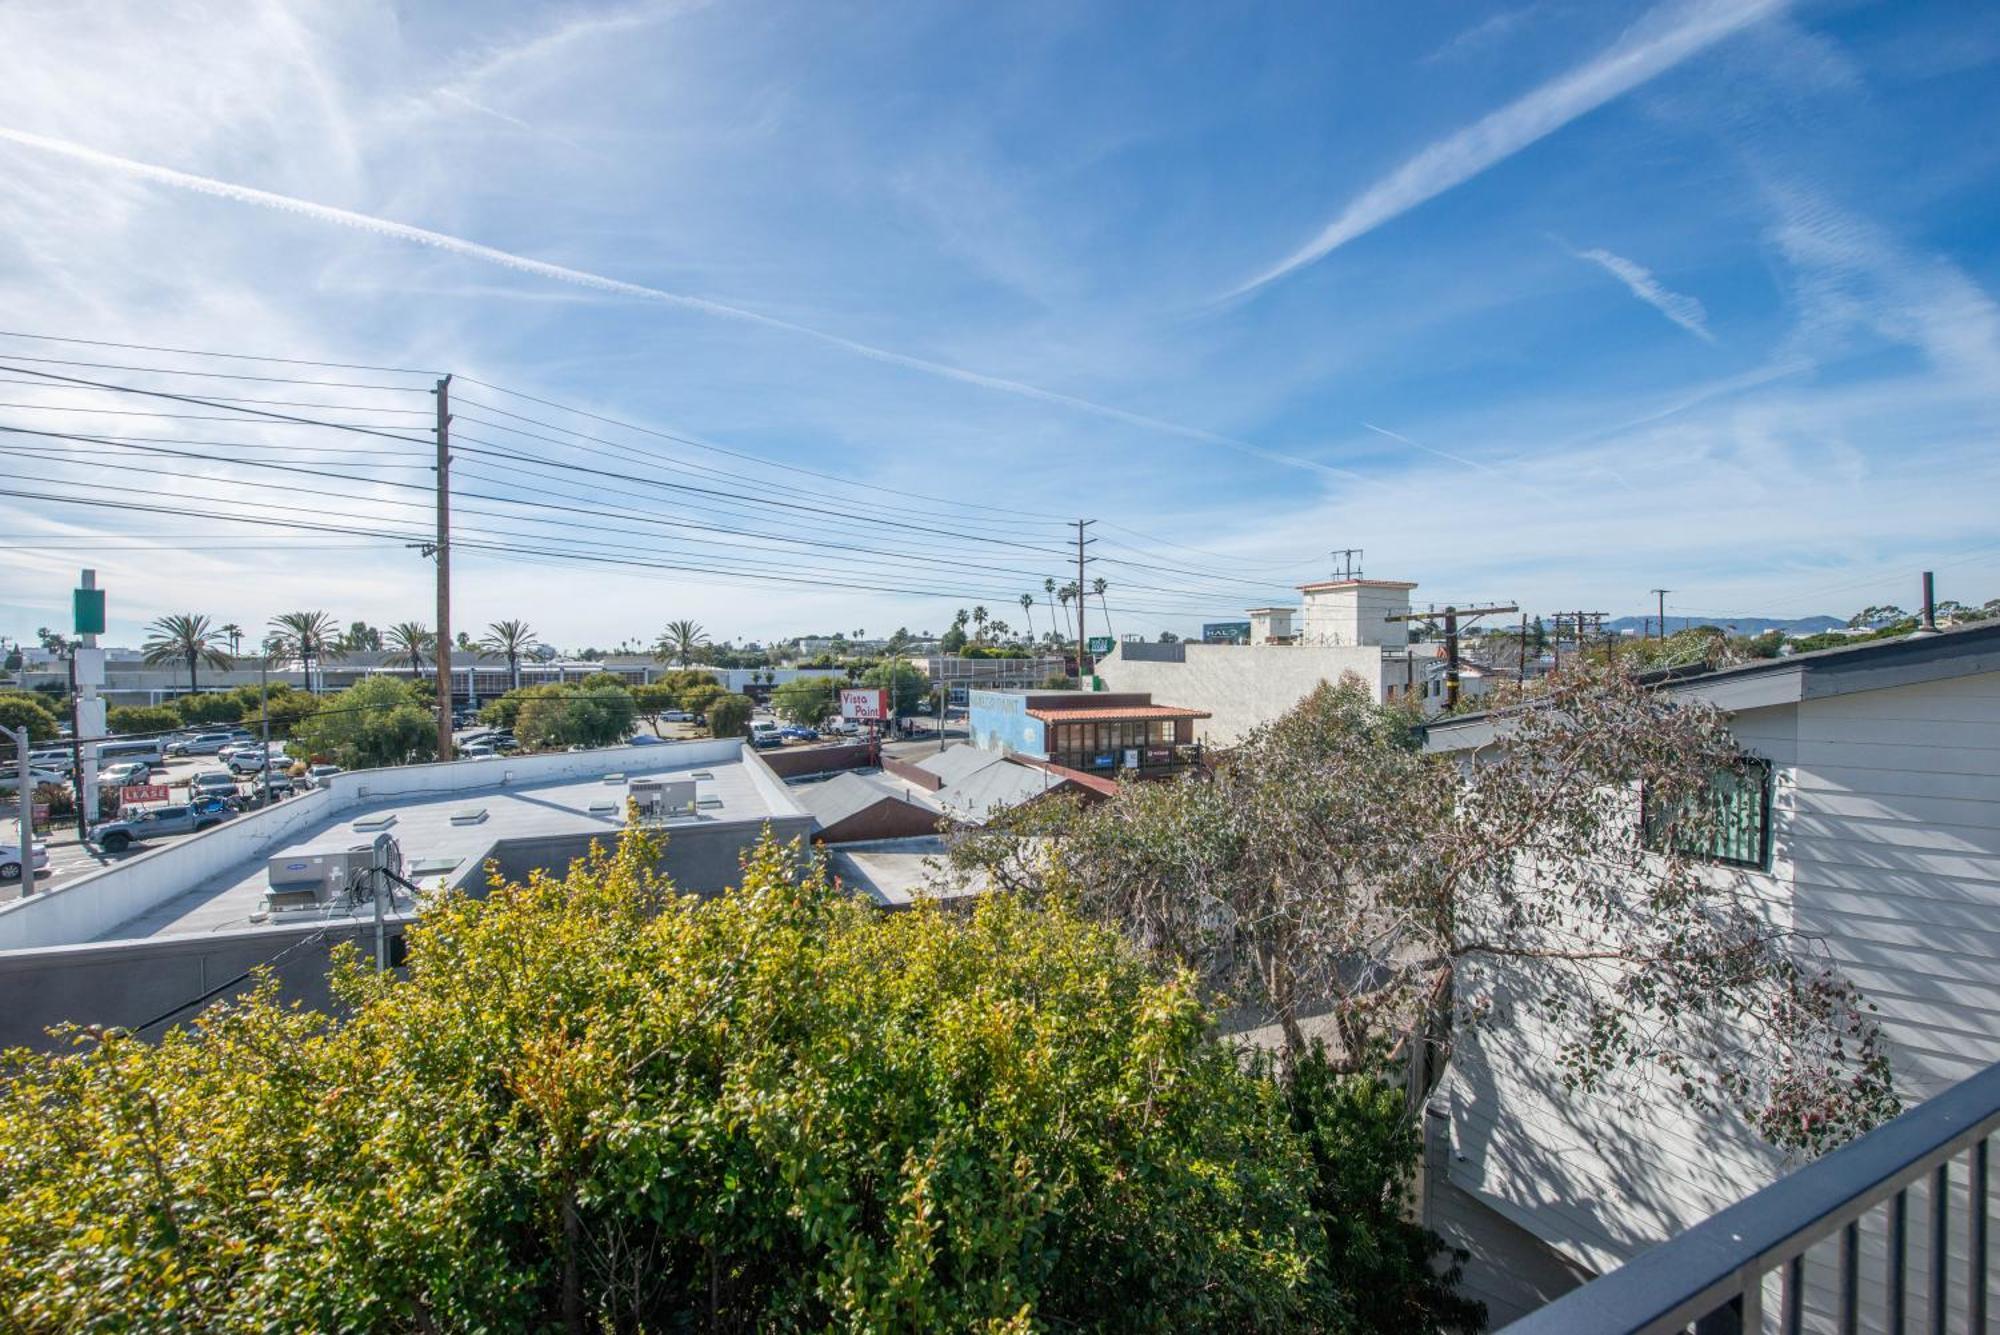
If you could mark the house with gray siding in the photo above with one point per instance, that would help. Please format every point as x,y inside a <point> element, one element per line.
<point>1879,843</point>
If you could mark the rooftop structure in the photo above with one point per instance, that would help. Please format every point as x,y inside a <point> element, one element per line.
<point>157,929</point>
<point>1089,731</point>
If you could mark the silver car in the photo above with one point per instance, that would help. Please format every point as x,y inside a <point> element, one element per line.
<point>10,862</point>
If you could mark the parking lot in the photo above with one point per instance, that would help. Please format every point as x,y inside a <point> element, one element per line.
<point>70,858</point>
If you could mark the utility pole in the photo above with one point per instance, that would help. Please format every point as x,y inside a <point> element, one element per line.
<point>1661,594</point>
<point>89,715</point>
<point>443,554</point>
<point>264,714</point>
<point>1450,617</point>
<point>25,792</point>
<point>1521,668</point>
<point>76,748</point>
<point>1081,670</point>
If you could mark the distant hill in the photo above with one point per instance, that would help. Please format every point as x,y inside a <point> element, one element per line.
<point>1642,625</point>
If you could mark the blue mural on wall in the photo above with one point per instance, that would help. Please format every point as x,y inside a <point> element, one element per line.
<point>999,721</point>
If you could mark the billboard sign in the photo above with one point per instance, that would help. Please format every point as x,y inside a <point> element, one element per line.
<point>1101,644</point>
<point>870,705</point>
<point>1225,632</point>
<point>143,792</point>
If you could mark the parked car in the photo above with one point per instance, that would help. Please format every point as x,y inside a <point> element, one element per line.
<point>240,744</point>
<point>477,751</point>
<point>254,761</point>
<point>644,739</point>
<point>146,750</point>
<point>212,784</point>
<point>10,862</point>
<point>120,775</point>
<point>317,775</point>
<point>503,741</point>
<point>841,727</point>
<point>10,778</point>
<point>55,758</point>
<point>677,716</point>
<point>203,744</point>
<point>118,835</point>
<point>798,733</point>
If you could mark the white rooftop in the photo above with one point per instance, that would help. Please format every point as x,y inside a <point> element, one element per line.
<point>442,841</point>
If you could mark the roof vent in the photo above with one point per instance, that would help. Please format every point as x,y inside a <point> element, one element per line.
<point>468,816</point>
<point>381,820</point>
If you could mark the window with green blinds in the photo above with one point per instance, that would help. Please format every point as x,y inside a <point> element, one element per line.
<point>1740,833</point>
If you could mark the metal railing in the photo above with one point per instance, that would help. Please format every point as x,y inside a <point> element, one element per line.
<point>1713,1276</point>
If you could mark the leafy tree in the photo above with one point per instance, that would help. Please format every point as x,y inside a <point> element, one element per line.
<point>360,638</point>
<point>953,640</point>
<point>1168,637</point>
<point>652,699</point>
<point>186,638</point>
<point>509,640</point>
<point>411,645</point>
<point>24,709</point>
<point>596,1103</point>
<point>680,642</point>
<point>699,698</point>
<point>304,638</point>
<point>907,687</point>
<point>729,715</point>
<point>378,721</point>
<point>141,719</point>
<point>1876,616</point>
<point>1328,866</point>
<point>504,711</point>
<point>288,708</point>
<point>215,707</point>
<point>552,717</point>
<point>804,699</point>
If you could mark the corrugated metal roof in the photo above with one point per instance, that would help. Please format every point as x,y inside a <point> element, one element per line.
<point>1116,714</point>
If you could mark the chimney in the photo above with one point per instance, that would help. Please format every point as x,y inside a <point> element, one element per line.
<point>1929,624</point>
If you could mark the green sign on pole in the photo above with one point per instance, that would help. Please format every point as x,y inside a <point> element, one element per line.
<point>89,608</point>
<point>1101,644</point>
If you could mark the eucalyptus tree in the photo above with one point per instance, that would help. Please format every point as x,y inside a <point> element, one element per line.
<point>1331,873</point>
<point>184,638</point>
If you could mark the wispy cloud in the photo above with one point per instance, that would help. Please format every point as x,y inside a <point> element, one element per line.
<point>473,250</point>
<point>1683,310</point>
<point>1492,28</point>
<point>1660,41</point>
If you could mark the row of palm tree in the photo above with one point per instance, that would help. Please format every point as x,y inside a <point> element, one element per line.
<point>305,638</point>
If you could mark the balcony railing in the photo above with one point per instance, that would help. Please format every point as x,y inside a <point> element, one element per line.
<point>1895,1181</point>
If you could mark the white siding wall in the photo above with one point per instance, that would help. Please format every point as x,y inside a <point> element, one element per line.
<point>1885,846</point>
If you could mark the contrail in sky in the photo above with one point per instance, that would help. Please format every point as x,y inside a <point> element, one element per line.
<point>423,236</point>
<point>1644,53</point>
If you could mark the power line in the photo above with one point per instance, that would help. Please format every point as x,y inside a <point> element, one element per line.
<point>205,375</point>
<point>201,352</point>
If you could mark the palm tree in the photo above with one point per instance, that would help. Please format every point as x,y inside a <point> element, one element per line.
<point>410,642</point>
<point>1049,587</point>
<point>680,641</point>
<point>185,637</point>
<point>303,637</point>
<point>508,640</point>
<point>235,634</point>
<point>1065,593</point>
<point>1028,610</point>
<point>979,623</point>
<point>1098,586</point>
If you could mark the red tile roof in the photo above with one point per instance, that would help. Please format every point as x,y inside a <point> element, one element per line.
<point>1115,714</point>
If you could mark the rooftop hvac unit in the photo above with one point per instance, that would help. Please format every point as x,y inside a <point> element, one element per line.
<point>328,877</point>
<point>660,799</point>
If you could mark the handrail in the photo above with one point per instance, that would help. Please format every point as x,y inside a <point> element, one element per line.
<point>1721,1262</point>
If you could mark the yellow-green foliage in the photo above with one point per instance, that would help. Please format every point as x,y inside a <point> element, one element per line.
<point>600,1104</point>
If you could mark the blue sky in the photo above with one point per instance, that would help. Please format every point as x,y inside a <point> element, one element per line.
<point>1543,301</point>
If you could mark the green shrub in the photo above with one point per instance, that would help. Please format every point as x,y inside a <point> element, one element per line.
<point>729,715</point>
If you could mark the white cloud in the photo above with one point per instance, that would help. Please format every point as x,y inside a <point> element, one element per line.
<point>1662,40</point>
<point>1683,310</point>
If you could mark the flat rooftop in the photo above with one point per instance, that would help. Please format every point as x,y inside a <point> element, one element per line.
<point>896,873</point>
<point>442,844</point>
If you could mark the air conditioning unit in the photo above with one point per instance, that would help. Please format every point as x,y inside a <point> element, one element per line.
<point>326,878</point>
<point>661,799</point>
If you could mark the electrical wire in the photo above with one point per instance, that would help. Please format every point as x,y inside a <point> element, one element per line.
<point>201,352</point>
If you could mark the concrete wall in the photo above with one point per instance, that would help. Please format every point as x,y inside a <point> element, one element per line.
<point>913,774</point>
<point>792,762</point>
<point>1241,685</point>
<point>87,907</point>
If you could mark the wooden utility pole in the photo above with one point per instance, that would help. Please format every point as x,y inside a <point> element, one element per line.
<point>443,554</point>
<point>1450,617</point>
<point>1661,594</point>
<point>1081,670</point>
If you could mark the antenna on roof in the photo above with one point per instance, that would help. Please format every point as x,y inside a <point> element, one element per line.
<point>1347,563</point>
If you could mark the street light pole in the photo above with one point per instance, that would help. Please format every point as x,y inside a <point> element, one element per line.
<point>23,774</point>
<point>264,713</point>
